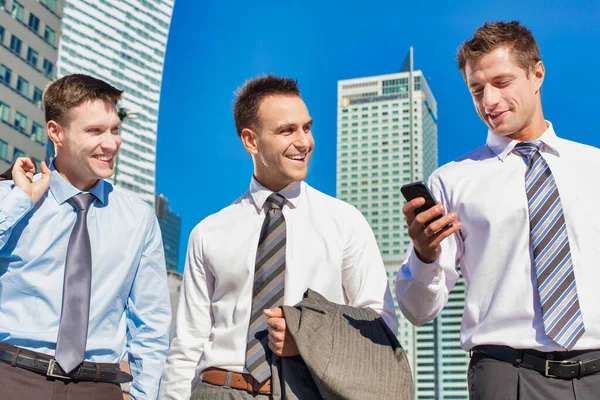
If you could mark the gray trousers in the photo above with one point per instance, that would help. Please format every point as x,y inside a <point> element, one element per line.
<point>206,391</point>
<point>490,379</point>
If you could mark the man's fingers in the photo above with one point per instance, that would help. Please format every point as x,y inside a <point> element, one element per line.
<point>275,349</point>
<point>24,164</point>
<point>442,234</point>
<point>428,215</point>
<point>409,209</point>
<point>44,169</point>
<point>276,312</point>
<point>277,324</point>
<point>435,226</point>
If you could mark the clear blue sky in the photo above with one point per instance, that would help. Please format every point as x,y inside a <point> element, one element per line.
<point>215,46</point>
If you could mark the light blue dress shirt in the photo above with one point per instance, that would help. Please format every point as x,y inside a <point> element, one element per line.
<point>129,308</point>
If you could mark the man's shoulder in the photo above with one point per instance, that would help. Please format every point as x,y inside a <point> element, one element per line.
<point>580,149</point>
<point>467,161</point>
<point>225,216</point>
<point>124,200</point>
<point>332,204</point>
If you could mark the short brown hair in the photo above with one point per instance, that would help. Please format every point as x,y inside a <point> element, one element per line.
<point>491,36</point>
<point>252,92</point>
<point>70,91</point>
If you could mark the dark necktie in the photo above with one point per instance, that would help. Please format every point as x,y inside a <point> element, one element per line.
<point>269,279</point>
<point>73,328</point>
<point>561,314</point>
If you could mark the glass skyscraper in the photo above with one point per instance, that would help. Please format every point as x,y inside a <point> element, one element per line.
<point>386,137</point>
<point>29,33</point>
<point>123,43</point>
<point>170,229</point>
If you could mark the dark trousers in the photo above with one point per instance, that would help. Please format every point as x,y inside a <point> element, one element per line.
<point>491,379</point>
<point>20,384</point>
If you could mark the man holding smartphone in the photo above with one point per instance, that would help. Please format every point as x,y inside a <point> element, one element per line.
<point>526,247</point>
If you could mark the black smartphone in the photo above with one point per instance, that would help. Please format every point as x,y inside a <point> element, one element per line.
<point>413,190</point>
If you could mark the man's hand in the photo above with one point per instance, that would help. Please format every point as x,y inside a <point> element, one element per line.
<point>280,340</point>
<point>22,174</point>
<point>427,239</point>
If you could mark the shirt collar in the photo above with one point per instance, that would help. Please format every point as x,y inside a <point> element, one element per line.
<point>63,190</point>
<point>259,193</point>
<point>503,146</point>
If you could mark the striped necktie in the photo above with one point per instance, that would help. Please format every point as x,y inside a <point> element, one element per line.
<point>561,314</point>
<point>269,277</point>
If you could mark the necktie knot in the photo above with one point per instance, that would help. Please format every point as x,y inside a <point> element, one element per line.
<point>528,148</point>
<point>275,201</point>
<point>81,201</point>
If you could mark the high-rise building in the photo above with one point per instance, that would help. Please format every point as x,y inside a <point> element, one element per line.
<point>170,229</point>
<point>29,31</point>
<point>387,137</point>
<point>123,43</point>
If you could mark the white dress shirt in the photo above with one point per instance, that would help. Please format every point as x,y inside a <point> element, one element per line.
<point>330,248</point>
<point>486,189</point>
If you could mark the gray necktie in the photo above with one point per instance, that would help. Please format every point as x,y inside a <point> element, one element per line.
<point>269,280</point>
<point>73,328</point>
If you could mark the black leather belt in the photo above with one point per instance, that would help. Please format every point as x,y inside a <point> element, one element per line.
<point>544,362</point>
<point>48,366</point>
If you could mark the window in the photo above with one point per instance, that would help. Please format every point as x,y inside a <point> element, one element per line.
<point>32,57</point>
<point>3,144</point>
<point>51,4</point>
<point>18,153</point>
<point>48,68</point>
<point>49,35</point>
<point>23,86</point>
<point>18,12</point>
<point>36,132</point>
<point>5,74</point>
<point>2,4</point>
<point>20,121</point>
<point>4,111</point>
<point>37,97</point>
<point>34,22</point>
<point>1,31</point>
<point>15,44</point>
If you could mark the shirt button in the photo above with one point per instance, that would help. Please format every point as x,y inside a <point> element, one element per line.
<point>22,208</point>
<point>437,271</point>
<point>430,300</point>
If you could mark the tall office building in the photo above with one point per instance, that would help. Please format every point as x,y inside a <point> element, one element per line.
<point>170,229</point>
<point>29,32</point>
<point>387,136</point>
<point>123,43</point>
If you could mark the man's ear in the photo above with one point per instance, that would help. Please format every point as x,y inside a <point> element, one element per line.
<point>538,74</point>
<point>55,133</point>
<point>250,140</point>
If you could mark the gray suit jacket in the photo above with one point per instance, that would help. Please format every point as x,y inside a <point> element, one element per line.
<point>345,353</point>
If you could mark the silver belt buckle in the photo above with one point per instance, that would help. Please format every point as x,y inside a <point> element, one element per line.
<point>51,373</point>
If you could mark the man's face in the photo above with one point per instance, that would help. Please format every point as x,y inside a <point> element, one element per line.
<point>283,141</point>
<point>506,96</point>
<point>89,142</point>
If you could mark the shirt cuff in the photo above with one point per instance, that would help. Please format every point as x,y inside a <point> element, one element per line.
<point>425,273</point>
<point>14,206</point>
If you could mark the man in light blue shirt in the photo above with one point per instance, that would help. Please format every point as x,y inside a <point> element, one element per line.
<point>129,309</point>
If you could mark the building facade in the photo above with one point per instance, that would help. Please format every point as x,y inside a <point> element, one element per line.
<point>123,43</point>
<point>170,229</point>
<point>29,33</point>
<point>386,137</point>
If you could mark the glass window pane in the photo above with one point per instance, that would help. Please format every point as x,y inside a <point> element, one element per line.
<point>49,35</point>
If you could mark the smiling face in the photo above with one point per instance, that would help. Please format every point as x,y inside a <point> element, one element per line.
<point>507,97</point>
<point>282,143</point>
<point>87,143</point>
